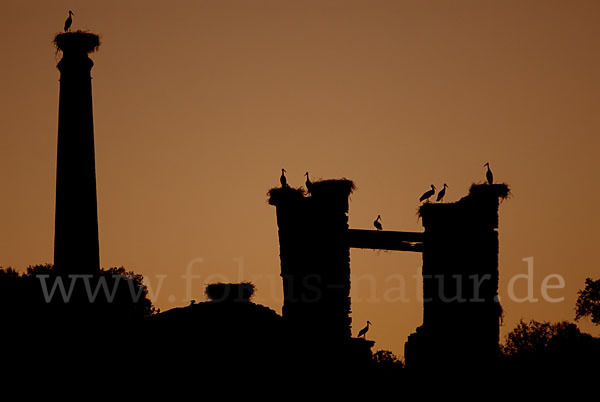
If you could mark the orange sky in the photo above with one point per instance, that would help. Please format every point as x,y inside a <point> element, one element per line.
<point>199,104</point>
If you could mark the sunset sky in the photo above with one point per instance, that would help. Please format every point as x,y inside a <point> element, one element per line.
<point>199,104</point>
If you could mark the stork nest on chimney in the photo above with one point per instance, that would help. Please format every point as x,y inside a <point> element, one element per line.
<point>77,41</point>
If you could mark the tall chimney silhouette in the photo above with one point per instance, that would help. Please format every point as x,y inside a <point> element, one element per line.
<point>76,249</point>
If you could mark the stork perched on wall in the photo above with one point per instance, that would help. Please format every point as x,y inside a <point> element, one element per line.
<point>442,193</point>
<point>363,332</point>
<point>69,21</point>
<point>489,175</point>
<point>283,179</point>
<point>428,194</point>
<point>308,183</point>
<point>377,223</point>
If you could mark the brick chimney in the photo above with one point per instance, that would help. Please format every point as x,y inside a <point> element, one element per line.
<point>76,249</point>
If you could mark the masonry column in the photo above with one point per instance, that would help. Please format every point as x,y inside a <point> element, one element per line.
<point>461,309</point>
<point>315,259</point>
<point>76,247</point>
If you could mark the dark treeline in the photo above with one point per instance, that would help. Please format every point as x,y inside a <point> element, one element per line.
<point>227,332</point>
<point>109,315</point>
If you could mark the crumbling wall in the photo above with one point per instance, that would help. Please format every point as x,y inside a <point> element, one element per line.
<point>461,311</point>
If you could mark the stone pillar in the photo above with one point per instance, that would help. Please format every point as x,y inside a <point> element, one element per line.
<point>461,311</point>
<point>315,259</point>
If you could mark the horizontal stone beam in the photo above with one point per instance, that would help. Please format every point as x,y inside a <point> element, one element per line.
<point>385,240</point>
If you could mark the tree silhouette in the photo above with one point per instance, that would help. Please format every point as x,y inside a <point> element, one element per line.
<point>548,344</point>
<point>588,302</point>
<point>22,295</point>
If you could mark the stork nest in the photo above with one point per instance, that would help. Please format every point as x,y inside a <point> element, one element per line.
<point>479,207</point>
<point>278,194</point>
<point>77,41</point>
<point>230,292</point>
<point>500,190</point>
<point>333,188</point>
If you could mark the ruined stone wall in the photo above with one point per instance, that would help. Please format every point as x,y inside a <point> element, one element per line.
<point>315,258</point>
<point>461,312</point>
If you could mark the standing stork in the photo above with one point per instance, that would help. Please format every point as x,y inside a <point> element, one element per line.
<point>283,179</point>
<point>309,185</point>
<point>69,21</point>
<point>489,175</point>
<point>442,193</point>
<point>427,194</point>
<point>363,332</point>
<point>377,223</point>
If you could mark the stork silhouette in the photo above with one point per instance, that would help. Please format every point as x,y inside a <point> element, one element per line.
<point>428,194</point>
<point>283,179</point>
<point>69,21</point>
<point>442,193</point>
<point>377,223</point>
<point>309,184</point>
<point>363,332</point>
<point>489,175</point>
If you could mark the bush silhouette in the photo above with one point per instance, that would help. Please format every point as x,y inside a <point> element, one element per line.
<point>386,360</point>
